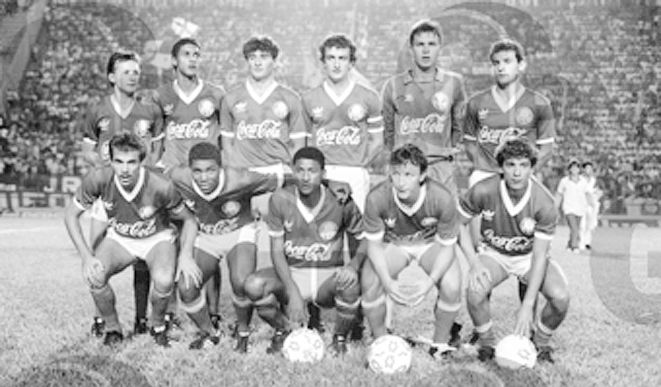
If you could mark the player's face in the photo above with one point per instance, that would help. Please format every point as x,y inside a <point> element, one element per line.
<point>575,170</point>
<point>188,60</point>
<point>308,175</point>
<point>206,174</point>
<point>517,172</point>
<point>126,164</point>
<point>425,49</point>
<point>126,76</point>
<point>588,170</point>
<point>337,62</point>
<point>506,68</point>
<point>260,65</point>
<point>406,179</point>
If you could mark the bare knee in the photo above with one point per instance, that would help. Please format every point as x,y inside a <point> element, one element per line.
<point>254,287</point>
<point>475,297</point>
<point>560,299</point>
<point>351,294</point>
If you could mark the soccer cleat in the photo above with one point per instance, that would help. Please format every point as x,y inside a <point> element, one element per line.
<point>472,340</point>
<point>160,335</point>
<point>113,338</point>
<point>205,341</point>
<point>172,322</point>
<point>455,335</point>
<point>277,342</point>
<point>215,321</point>
<point>339,345</point>
<point>98,326</point>
<point>242,342</point>
<point>441,351</point>
<point>140,326</point>
<point>545,354</point>
<point>486,353</point>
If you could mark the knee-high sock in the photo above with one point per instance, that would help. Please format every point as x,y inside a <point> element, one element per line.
<point>198,311</point>
<point>243,308</point>
<point>159,305</point>
<point>104,298</point>
<point>141,282</point>
<point>269,310</point>
<point>346,316</point>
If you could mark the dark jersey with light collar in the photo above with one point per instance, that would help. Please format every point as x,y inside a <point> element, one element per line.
<point>227,208</point>
<point>507,227</point>
<point>432,218</point>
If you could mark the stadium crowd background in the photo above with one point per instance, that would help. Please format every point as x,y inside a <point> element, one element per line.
<point>598,61</point>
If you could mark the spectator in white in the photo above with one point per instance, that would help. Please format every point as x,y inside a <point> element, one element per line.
<point>574,196</point>
<point>591,219</point>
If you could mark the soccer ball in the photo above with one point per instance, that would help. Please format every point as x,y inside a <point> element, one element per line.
<point>515,352</point>
<point>389,354</point>
<point>303,346</point>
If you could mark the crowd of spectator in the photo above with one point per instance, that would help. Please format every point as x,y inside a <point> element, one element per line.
<point>600,67</point>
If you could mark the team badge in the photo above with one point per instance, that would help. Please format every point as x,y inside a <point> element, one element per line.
<point>288,225</point>
<point>206,108</point>
<point>482,114</point>
<point>108,206</point>
<point>103,124</point>
<point>390,222</point>
<point>408,98</point>
<point>168,109</point>
<point>147,212</point>
<point>527,226</point>
<point>328,230</point>
<point>356,112</point>
<point>141,127</point>
<point>428,222</point>
<point>280,110</point>
<point>240,107</point>
<point>440,101</point>
<point>317,112</point>
<point>488,215</point>
<point>524,116</point>
<point>231,208</point>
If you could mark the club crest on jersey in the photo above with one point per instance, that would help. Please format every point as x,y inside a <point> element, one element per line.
<point>103,124</point>
<point>206,108</point>
<point>440,101</point>
<point>482,114</point>
<point>280,110</point>
<point>428,222</point>
<point>168,109</point>
<point>240,107</point>
<point>147,212</point>
<point>141,127</point>
<point>288,225</point>
<point>231,208</point>
<point>390,222</point>
<point>527,226</point>
<point>524,116</point>
<point>317,112</point>
<point>488,215</point>
<point>356,112</point>
<point>328,230</point>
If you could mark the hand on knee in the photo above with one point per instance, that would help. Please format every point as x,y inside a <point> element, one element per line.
<point>188,293</point>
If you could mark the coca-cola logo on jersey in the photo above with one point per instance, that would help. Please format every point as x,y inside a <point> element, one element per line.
<point>432,123</point>
<point>316,252</point>
<point>139,229</point>
<point>516,244</point>
<point>197,128</point>
<point>265,129</point>
<point>348,135</point>
<point>497,136</point>
<point>223,226</point>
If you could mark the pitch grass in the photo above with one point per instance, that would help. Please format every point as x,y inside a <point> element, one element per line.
<point>46,315</point>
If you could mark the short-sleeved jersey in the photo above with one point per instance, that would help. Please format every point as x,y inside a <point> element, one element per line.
<point>104,120</point>
<point>189,119</point>
<point>489,122</point>
<point>261,126</point>
<point>313,237</point>
<point>429,119</point>
<point>340,124</point>
<point>574,195</point>
<point>433,217</point>
<point>227,208</point>
<point>137,214</point>
<point>507,227</point>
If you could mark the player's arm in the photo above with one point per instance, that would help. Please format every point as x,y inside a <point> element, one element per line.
<point>158,134</point>
<point>227,135</point>
<point>388,112</point>
<point>295,307</point>
<point>546,131</point>
<point>297,125</point>
<point>524,317</point>
<point>375,126</point>
<point>458,113</point>
<point>349,275</point>
<point>468,207</point>
<point>471,127</point>
<point>187,269</point>
<point>90,138</point>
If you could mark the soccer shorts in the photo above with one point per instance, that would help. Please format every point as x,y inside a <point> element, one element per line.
<point>358,179</point>
<point>218,245</point>
<point>310,279</point>
<point>98,211</point>
<point>141,247</point>
<point>477,176</point>
<point>408,253</point>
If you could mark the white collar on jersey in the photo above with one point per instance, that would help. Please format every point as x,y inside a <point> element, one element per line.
<point>338,99</point>
<point>214,194</point>
<point>310,213</point>
<point>409,211</point>
<point>254,94</point>
<point>512,209</point>
<point>188,98</point>
<point>506,104</point>
<point>118,108</point>
<point>129,196</point>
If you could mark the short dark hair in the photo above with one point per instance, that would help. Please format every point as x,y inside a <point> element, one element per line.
<point>182,42</point>
<point>586,163</point>
<point>425,25</point>
<point>261,43</point>
<point>310,153</point>
<point>409,153</point>
<point>507,45</point>
<point>516,148</point>
<point>338,41</point>
<point>126,142</point>
<point>204,151</point>
<point>573,162</point>
<point>117,57</point>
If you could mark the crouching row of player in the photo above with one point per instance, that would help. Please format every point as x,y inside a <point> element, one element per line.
<point>408,217</point>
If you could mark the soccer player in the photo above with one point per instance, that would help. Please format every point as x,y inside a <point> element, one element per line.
<point>307,223</point>
<point>140,205</point>
<point>411,217</point>
<point>575,196</point>
<point>518,224</point>
<point>220,199</point>
<point>345,119</point>
<point>121,111</point>
<point>424,105</point>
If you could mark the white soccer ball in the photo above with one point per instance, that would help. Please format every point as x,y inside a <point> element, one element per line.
<point>303,346</point>
<point>389,354</point>
<point>515,352</point>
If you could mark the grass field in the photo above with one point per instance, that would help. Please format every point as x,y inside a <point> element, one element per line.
<point>612,336</point>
